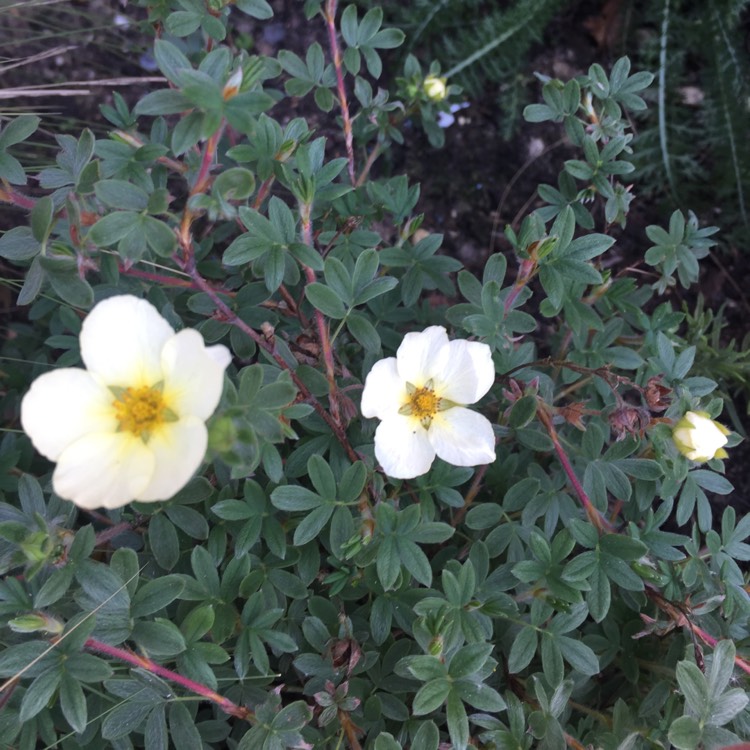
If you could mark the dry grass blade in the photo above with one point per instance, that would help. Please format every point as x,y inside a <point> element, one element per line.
<point>53,90</point>
<point>20,62</point>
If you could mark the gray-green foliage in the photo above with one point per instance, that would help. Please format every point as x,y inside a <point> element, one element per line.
<point>291,595</point>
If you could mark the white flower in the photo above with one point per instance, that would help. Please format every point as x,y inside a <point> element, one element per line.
<point>419,395</point>
<point>130,426</point>
<point>700,438</point>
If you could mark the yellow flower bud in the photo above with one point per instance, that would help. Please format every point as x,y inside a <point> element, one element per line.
<point>700,438</point>
<point>435,88</point>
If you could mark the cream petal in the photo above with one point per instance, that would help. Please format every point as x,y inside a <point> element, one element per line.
<point>384,392</point>
<point>462,437</point>
<point>402,447</point>
<point>422,355</point>
<point>103,470</point>
<point>468,372</point>
<point>64,405</point>
<point>122,339</point>
<point>178,449</point>
<point>193,376</point>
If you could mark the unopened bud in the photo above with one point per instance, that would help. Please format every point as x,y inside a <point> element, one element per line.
<point>232,86</point>
<point>435,88</point>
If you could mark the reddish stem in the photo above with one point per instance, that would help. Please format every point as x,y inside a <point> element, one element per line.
<point>330,16</point>
<point>107,534</point>
<point>320,323</point>
<point>233,319</point>
<point>525,274</point>
<point>144,662</point>
<point>9,195</point>
<point>156,277</point>
<point>594,515</point>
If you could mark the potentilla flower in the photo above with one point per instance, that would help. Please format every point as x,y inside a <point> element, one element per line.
<point>700,438</point>
<point>420,397</point>
<point>132,425</point>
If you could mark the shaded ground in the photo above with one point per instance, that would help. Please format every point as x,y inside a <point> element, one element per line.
<point>471,188</point>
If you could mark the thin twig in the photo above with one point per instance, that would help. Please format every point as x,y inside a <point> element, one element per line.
<point>330,17</point>
<point>594,515</point>
<point>143,662</point>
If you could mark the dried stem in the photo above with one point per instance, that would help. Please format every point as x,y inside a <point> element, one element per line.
<point>143,662</point>
<point>594,515</point>
<point>471,494</point>
<point>329,14</point>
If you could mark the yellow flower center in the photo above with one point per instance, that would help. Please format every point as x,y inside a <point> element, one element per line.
<point>424,403</point>
<point>139,410</point>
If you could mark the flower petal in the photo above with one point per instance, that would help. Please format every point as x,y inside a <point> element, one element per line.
<point>468,372</point>
<point>122,339</point>
<point>178,449</point>
<point>422,355</point>
<point>384,392</point>
<point>64,405</point>
<point>462,437</point>
<point>105,469</point>
<point>402,447</point>
<point>193,375</point>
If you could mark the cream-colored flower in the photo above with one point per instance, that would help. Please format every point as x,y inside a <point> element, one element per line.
<point>420,396</point>
<point>132,425</point>
<point>435,88</point>
<point>700,438</point>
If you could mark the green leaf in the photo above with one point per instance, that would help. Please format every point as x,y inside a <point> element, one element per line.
<point>458,722</point>
<point>163,541</point>
<point>363,331</point>
<point>388,563</point>
<point>41,218</point>
<point>325,299</point>
<point>522,650</point>
<point>693,685</point>
<point>18,244</point>
<point>469,660</point>
<point>685,733</point>
<point>182,729</point>
<point>73,703</point>
<point>121,194</point>
<point>313,523</point>
<point>431,696</point>
<point>156,594</point>
<point>112,228</point>
<point>292,497</point>
<point>18,129</point>
<point>171,60</point>
<point>39,693</point>
<point>578,655</point>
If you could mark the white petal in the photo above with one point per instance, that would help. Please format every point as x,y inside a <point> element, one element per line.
<point>468,372</point>
<point>64,405</point>
<point>384,392</point>
<point>122,339</point>
<point>193,375</point>
<point>219,354</point>
<point>422,355</point>
<point>462,437</point>
<point>178,449</point>
<point>402,447</point>
<point>103,470</point>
